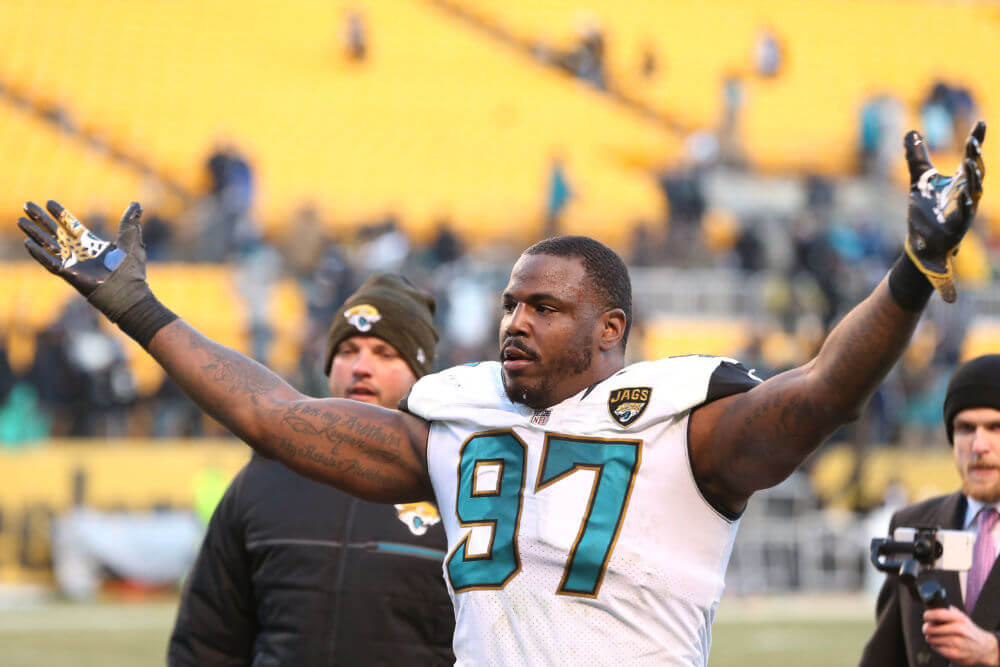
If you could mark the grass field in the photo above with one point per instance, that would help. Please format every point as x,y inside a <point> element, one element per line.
<point>815,631</point>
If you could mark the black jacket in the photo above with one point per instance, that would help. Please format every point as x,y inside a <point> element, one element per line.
<point>898,641</point>
<point>293,572</point>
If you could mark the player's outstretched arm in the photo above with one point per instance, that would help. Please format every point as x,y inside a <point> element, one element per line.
<point>752,441</point>
<point>371,452</point>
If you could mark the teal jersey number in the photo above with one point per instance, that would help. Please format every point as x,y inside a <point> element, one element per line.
<point>615,464</point>
<point>498,507</point>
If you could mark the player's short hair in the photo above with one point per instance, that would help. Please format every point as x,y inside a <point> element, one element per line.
<point>605,269</point>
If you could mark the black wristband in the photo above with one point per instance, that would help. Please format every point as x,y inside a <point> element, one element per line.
<point>144,319</point>
<point>908,286</point>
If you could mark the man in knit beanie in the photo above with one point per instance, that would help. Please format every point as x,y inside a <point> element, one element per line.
<point>968,631</point>
<point>294,572</point>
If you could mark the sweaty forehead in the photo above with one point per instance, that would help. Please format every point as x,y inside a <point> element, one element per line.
<point>562,277</point>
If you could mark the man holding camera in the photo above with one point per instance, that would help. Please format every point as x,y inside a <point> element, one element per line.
<point>967,632</point>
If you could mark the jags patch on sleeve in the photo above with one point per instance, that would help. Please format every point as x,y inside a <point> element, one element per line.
<point>627,404</point>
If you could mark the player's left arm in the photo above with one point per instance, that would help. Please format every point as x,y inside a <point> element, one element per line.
<point>752,441</point>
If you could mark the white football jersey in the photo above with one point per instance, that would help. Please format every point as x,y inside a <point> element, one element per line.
<point>577,534</point>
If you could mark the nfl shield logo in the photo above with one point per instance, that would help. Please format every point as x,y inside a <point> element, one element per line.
<point>541,417</point>
<point>627,405</point>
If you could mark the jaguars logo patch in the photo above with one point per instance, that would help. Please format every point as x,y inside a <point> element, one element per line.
<point>418,517</point>
<point>626,405</point>
<point>362,316</point>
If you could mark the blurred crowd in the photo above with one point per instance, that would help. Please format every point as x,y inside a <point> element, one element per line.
<point>813,264</point>
<point>813,256</point>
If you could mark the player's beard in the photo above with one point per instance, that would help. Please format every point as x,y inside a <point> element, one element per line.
<point>984,493</point>
<point>577,360</point>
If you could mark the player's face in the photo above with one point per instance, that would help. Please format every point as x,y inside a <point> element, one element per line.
<point>977,452</point>
<point>368,369</point>
<point>548,329</point>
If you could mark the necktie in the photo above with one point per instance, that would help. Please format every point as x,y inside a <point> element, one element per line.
<point>983,555</point>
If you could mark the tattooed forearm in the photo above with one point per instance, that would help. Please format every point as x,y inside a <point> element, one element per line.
<point>226,384</point>
<point>350,467</point>
<point>359,448</point>
<point>238,378</point>
<point>362,435</point>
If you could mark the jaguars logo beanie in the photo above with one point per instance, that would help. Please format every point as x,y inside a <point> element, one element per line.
<point>976,384</point>
<point>390,307</point>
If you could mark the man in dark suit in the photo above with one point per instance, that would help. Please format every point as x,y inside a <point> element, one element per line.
<point>968,631</point>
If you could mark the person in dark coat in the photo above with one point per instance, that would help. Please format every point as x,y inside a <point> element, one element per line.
<point>968,631</point>
<point>293,572</point>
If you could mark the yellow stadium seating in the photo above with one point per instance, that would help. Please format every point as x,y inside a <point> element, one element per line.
<point>437,121</point>
<point>443,120</point>
<point>673,336</point>
<point>837,52</point>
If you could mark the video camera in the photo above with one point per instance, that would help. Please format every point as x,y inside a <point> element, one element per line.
<point>913,551</point>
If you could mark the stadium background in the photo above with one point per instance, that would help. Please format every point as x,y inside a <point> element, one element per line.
<point>745,159</point>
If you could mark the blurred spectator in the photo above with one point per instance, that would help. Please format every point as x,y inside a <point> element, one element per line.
<point>258,269</point>
<point>157,233</point>
<point>923,383</point>
<point>768,54</point>
<point>816,258</point>
<point>304,243</point>
<point>59,385</point>
<point>174,414</point>
<point>647,247</point>
<point>947,112</point>
<point>686,203</point>
<point>81,375</point>
<point>879,135</point>
<point>749,248</point>
<point>649,63</point>
<point>7,377</point>
<point>225,224</point>
<point>22,419</point>
<point>99,360</point>
<point>355,36</point>
<point>586,60</point>
<point>446,247</point>
<point>559,195</point>
<point>730,140</point>
<point>384,246</point>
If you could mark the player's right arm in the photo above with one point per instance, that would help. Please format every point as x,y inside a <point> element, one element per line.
<point>368,451</point>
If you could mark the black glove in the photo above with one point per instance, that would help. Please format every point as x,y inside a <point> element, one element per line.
<point>111,275</point>
<point>941,208</point>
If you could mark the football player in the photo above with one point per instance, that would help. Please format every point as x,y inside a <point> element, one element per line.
<point>590,507</point>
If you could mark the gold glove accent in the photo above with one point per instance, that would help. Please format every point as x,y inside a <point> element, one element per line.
<point>76,243</point>
<point>944,283</point>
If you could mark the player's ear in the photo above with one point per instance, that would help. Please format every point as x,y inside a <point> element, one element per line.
<point>612,328</point>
